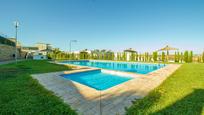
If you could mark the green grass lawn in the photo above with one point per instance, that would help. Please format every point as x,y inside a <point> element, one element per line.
<point>181,94</point>
<point>20,94</point>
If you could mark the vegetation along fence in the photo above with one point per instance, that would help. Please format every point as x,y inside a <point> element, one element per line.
<point>178,57</point>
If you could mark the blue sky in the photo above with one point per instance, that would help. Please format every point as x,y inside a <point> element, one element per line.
<point>145,25</point>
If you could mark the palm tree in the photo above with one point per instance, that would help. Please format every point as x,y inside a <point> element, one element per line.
<point>96,52</point>
<point>56,51</point>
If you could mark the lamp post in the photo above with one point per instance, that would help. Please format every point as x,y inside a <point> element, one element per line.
<point>16,24</point>
<point>70,45</point>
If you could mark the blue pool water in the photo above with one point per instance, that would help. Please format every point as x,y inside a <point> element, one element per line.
<point>96,79</point>
<point>140,68</point>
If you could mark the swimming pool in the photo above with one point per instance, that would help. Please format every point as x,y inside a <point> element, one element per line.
<point>140,68</point>
<point>97,79</point>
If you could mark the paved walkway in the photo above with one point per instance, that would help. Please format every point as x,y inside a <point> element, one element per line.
<point>88,101</point>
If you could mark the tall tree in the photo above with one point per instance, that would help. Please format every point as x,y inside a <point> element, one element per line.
<point>97,53</point>
<point>190,57</point>
<point>147,56</point>
<point>133,56</point>
<point>176,57</point>
<point>103,52</point>
<point>203,57</point>
<point>124,56</point>
<point>72,56</point>
<point>155,55</point>
<point>199,59</point>
<point>56,51</point>
<point>112,56</point>
<point>140,57</point>
<point>136,56</point>
<point>186,56</point>
<point>181,57</point>
<point>163,56</point>
<point>118,56</point>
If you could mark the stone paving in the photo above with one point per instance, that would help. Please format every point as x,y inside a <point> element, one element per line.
<point>88,101</point>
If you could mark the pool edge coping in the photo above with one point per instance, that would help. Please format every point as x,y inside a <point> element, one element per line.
<point>118,89</point>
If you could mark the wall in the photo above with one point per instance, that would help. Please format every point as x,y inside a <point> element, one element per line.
<point>6,52</point>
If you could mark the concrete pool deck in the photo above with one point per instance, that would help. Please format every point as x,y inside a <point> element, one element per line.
<point>88,101</point>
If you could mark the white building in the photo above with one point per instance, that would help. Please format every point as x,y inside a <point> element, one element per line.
<point>129,53</point>
<point>39,56</point>
<point>39,52</point>
<point>43,46</point>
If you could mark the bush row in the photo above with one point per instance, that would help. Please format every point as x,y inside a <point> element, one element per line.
<point>179,57</point>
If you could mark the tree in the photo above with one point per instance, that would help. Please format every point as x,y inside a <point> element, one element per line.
<point>91,55</point>
<point>163,56</point>
<point>72,56</point>
<point>124,56</point>
<point>100,55</point>
<point>186,56</point>
<point>84,55</point>
<point>175,57</point>
<point>132,56</point>
<point>109,55</point>
<point>199,59</point>
<point>140,57</point>
<point>112,56</point>
<point>55,53</point>
<point>136,56</point>
<point>203,57</point>
<point>155,55</point>
<point>96,54</point>
<point>178,56</point>
<point>190,57</point>
<point>181,57</point>
<point>146,58</point>
<point>118,56</point>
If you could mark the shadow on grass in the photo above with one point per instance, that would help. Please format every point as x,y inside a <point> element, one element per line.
<point>191,104</point>
<point>140,106</point>
<point>7,73</point>
<point>20,94</point>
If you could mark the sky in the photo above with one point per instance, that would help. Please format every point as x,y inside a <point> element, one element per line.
<point>144,25</point>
